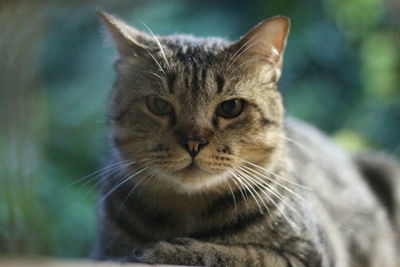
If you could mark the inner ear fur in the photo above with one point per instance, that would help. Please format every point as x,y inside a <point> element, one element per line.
<point>265,43</point>
<point>128,40</point>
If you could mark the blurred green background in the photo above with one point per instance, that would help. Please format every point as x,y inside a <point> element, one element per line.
<point>341,73</point>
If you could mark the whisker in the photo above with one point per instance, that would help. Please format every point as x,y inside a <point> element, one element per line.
<point>240,189</point>
<point>296,143</point>
<point>286,201</point>
<point>240,48</point>
<point>155,74</point>
<point>256,184</point>
<point>241,53</point>
<point>107,174</point>
<point>269,188</point>
<point>291,223</point>
<point>233,195</point>
<point>156,171</point>
<point>158,44</point>
<point>124,180</point>
<point>277,183</point>
<point>225,54</point>
<point>148,176</point>
<point>230,79</point>
<point>158,64</point>
<point>249,188</point>
<point>242,64</point>
<point>306,150</point>
<point>102,179</point>
<point>97,173</point>
<point>277,175</point>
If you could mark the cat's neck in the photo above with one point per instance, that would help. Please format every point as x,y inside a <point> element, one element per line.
<point>164,195</point>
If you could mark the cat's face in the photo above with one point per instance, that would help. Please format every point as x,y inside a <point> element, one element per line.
<point>192,110</point>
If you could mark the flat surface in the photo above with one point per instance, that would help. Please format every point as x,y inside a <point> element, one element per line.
<point>44,262</point>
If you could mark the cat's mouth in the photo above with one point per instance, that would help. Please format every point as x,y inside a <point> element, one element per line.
<point>192,169</point>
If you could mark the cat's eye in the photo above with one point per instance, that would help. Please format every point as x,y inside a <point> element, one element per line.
<point>230,108</point>
<point>159,106</point>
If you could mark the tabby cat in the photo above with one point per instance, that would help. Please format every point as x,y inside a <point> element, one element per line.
<point>206,170</point>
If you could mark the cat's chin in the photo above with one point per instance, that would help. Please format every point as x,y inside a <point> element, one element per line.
<point>193,178</point>
<point>192,171</point>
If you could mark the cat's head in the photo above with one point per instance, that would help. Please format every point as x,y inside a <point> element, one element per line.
<point>192,110</point>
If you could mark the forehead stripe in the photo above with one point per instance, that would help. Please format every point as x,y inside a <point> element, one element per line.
<point>203,77</point>
<point>195,79</point>
<point>220,83</point>
<point>171,77</point>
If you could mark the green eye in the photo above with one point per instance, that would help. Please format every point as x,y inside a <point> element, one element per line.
<point>159,106</point>
<point>230,108</point>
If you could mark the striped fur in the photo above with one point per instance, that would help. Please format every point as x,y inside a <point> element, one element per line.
<point>262,191</point>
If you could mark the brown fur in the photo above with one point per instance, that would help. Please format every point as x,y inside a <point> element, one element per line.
<point>238,202</point>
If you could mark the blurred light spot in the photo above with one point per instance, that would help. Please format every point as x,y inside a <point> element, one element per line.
<point>350,140</point>
<point>356,17</point>
<point>379,55</point>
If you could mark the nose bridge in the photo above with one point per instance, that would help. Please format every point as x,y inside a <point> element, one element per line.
<point>193,138</point>
<point>193,131</point>
<point>193,116</point>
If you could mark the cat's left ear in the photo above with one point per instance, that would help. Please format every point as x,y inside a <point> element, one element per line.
<point>265,43</point>
<point>127,39</point>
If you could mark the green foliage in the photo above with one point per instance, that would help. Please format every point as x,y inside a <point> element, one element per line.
<point>341,73</point>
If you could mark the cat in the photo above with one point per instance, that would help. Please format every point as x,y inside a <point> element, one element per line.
<point>206,170</point>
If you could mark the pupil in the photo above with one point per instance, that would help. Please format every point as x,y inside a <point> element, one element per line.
<point>160,104</point>
<point>230,106</point>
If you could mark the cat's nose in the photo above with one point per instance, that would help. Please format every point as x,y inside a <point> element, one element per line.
<point>192,144</point>
<point>193,138</point>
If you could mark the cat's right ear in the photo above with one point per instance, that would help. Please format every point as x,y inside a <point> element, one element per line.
<point>128,40</point>
<point>264,44</point>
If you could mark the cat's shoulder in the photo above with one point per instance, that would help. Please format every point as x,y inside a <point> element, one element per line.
<point>308,138</point>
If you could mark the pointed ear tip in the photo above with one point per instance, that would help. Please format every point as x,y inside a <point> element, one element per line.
<point>104,16</point>
<point>101,13</point>
<point>281,19</point>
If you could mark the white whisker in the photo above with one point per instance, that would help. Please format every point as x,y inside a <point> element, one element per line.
<point>158,64</point>
<point>269,188</point>
<point>155,74</point>
<point>148,176</point>
<point>156,171</point>
<point>258,186</point>
<point>238,51</point>
<point>124,180</point>
<point>242,64</point>
<point>291,223</point>
<point>276,182</point>
<point>266,186</point>
<point>250,189</point>
<point>99,172</point>
<point>233,195</point>
<point>240,188</point>
<point>107,173</point>
<point>241,53</point>
<point>158,44</point>
<point>278,176</point>
<point>296,143</point>
<point>286,201</point>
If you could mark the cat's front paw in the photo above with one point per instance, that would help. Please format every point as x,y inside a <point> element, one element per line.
<point>179,251</point>
<point>159,252</point>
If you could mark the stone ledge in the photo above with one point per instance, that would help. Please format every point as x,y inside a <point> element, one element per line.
<point>34,261</point>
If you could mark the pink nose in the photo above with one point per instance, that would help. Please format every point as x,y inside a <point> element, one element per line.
<point>192,139</point>
<point>193,147</point>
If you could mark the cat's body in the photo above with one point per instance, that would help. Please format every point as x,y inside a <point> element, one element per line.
<point>238,188</point>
